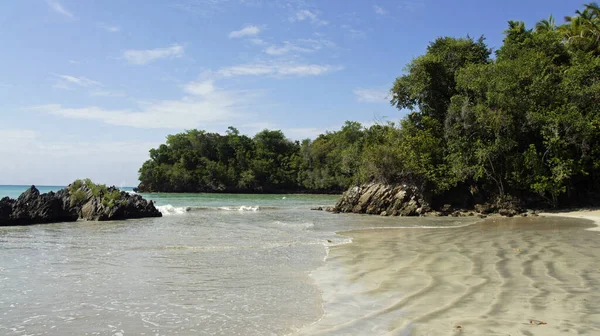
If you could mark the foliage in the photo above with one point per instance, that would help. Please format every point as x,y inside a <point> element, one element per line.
<point>80,191</point>
<point>523,125</point>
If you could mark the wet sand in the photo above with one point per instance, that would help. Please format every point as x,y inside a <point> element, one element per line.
<point>497,277</point>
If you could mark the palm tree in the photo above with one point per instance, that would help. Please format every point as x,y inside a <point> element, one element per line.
<point>546,25</point>
<point>516,31</point>
<point>583,29</point>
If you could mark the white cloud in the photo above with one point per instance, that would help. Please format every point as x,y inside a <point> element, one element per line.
<point>200,88</point>
<point>257,41</point>
<point>301,133</point>
<point>57,7</point>
<point>95,159</point>
<point>67,82</point>
<point>110,28</point>
<point>278,70</point>
<point>141,57</point>
<point>302,45</point>
<point>287,47</point>
<point>105,93</point>
<point>246,31</point>
<point>310,16</point>
<point>379,10</point>
<point>372,95</point>
<point>354,33</point>
<point>205,105</point>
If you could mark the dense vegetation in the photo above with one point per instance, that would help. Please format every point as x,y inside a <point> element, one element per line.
<point>82,189</point>
<point>521,123</point>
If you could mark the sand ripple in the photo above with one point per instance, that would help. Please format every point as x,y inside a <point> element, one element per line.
<point>490,278</point>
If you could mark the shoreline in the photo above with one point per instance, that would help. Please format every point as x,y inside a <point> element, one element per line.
<point>408,282</point>
<point>592,214</point>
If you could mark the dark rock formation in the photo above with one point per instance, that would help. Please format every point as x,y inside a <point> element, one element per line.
<point>383,199</point>
<point>35,208</point>
<point>408,200</point>
<point>69,205</point>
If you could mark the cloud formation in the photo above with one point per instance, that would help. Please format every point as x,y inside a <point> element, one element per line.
<point>301,46</point>
<point>277,69</point>
<point>245,32</point>
<point>205,104</point>
<point>142,57</point>
<point>97,160</point>
<point>379,10</point>
<point>110,28</point>
<point>372,95</point>
<point>68,82</point>
<point>57,7</point>
<point>309,16</point>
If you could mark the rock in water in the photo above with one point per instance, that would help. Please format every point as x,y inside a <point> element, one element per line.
<point>387,199</point>
<point>85,200</point>
<point>35,208</point>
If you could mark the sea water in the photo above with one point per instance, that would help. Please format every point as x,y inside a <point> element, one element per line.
<point>214,264</point>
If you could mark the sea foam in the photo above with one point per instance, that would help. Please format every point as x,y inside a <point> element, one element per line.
<point>168,210</point>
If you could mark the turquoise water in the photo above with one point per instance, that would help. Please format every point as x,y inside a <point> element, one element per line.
<point>214,264</point>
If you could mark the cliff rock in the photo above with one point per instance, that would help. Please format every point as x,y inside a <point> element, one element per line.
<point>383,199</point>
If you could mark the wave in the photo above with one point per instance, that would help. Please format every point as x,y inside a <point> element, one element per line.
<point>168,210</point>
<point>172,210</point>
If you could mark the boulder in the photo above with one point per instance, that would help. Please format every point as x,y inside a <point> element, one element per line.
<point>383,199</point>
<point>71,204</point>
<point>35,208</point>
<point>484,208</point>
<point>6,208</point>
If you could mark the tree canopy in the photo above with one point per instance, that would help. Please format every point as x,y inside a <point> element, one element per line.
<point>522,123</point>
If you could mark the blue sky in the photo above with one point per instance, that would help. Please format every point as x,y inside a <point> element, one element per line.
<point>87,87</point>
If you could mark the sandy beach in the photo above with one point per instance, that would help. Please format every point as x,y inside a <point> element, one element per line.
<point>501,276</point>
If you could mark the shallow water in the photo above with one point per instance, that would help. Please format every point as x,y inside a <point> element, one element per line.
<point>231,265</point>
<point>498,277</point>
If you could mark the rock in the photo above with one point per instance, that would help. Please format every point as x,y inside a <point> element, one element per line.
<point>524,214</point>
<point>331,209</point>
<point>485,208</point>
<point>446,209</point>
<point>383,199</point>
<point>317,209</point>
<point>481,216</point>
<point>68,205</point>
<point>456,214</point>
<point>508,212</point>
<point>6,209</point>
<point>35,208</point>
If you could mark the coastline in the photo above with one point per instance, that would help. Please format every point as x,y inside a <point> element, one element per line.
<point>592,214</point>
<point>496,276</point>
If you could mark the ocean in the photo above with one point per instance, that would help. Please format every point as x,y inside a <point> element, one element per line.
<point>214,264</point>
<point>223,264</point>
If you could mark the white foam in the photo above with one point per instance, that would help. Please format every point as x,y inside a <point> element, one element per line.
<point>169,210</point>
<point>241,208</point>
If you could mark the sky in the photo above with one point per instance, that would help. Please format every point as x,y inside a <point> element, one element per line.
<point>88,87</point>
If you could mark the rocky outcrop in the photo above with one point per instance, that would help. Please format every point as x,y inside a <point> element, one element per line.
<point>35,208</point>
<point>126,207</point>
<point>71,204</point>
<point>408,200</point>
<point>383,199</point>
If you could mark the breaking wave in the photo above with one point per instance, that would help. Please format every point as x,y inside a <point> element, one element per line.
<point>172,210</point>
